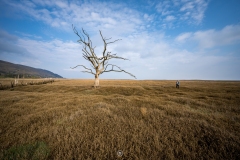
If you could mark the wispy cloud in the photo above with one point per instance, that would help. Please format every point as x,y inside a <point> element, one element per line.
<point>191,11</point>
<point>6,36</point>
<point>212,38</point>
<point>92,15</point>
<point>117,18</point>
<point>183,37</point>
<point>170,18</point>
<point>9,45</point>
<point>37,50</point>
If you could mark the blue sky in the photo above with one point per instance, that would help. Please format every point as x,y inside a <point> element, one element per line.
<point>164,39</point>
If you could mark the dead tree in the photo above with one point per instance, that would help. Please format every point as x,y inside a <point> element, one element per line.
<point>99,64</point>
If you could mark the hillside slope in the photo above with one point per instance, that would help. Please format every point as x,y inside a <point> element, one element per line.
<point>8,69</point>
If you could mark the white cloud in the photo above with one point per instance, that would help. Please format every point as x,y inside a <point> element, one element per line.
<point>170,18</point>
<point>148,18</point>
<point>192,11</point>
<point>183,37</point>
<point>187,6</point>
<point>119,18</point>
<point>6,36</point>
<point>229,35</point>
<point>92,15</point>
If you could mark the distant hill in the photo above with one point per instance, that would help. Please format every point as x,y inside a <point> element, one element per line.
<point>12,70</point>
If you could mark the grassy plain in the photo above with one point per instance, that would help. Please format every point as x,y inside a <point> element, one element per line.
<point>69,119</point>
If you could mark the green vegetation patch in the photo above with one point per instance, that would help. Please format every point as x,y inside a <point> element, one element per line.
<point>34,151</point>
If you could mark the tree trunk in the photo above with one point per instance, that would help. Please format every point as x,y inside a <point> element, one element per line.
<point>96,83</point>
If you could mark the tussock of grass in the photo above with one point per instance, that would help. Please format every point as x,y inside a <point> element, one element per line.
<point>144,119</point>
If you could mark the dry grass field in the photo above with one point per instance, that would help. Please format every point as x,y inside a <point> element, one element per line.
<point>69,119</point>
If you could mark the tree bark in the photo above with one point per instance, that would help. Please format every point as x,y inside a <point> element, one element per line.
<point>96,83</point>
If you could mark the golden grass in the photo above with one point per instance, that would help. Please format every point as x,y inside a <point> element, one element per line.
<point>143,119</point>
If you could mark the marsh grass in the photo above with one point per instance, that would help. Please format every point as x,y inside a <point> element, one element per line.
<point>144,119</point>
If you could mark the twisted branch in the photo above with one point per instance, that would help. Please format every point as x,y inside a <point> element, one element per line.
<point>90,71</point>
<point>120,70</point>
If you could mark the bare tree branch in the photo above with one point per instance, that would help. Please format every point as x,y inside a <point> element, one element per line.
<point>85,68</point>
<point>111,56</point>
<point>88,72</point>
<point>105,44</point>
<point>120,70</point>
<point>108,39</point>
<point>114,41</point>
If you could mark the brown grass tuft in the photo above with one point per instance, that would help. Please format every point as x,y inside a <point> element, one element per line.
<point>143,111</point>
